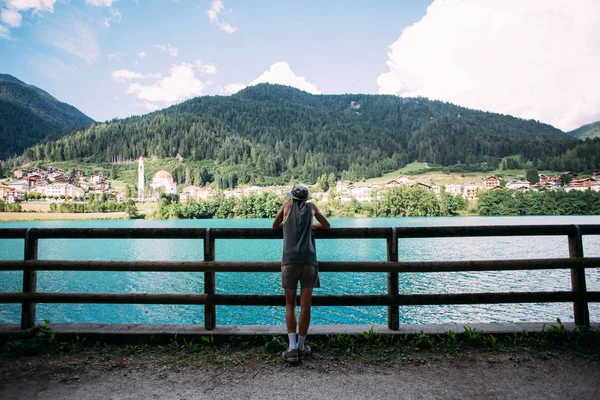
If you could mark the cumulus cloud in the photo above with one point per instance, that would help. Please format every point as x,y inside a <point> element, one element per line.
<point>101,3</point>
<point>533,59</point>
<point>205,68</point>
<point>181,84</point>
<point>35,5</point>
<point>125,75</point>
<point>168,48</point>
<point>11,14</point>
<point>142,54</point>
<point>233,88</point>
<point>11,18</point>
<point>215,17</point>
<point>282,74</point>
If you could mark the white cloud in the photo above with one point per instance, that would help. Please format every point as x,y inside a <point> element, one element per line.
<point>75,39</point>
<point>233,88</point>
<point>216,8</point>
<point>11,18</point>
<point>205,68</point>
<point>533,59</point>
<point>142,54</point>
<point>114,56</point>
<point>168,48</point>
<point>123,75</point>
<point>115,15</point>
<point>11,14</point>
<point>282,74</point>
<point>5,33</point>
<point>35,5</point>
<point>181,84</point>
<point>101,3</point>
<point>148,106</point>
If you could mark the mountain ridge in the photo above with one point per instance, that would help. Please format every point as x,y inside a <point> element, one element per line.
<point>273,134</point>
<point>28,115</point>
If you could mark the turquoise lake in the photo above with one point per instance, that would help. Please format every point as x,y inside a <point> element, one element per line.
<point>490,248</point>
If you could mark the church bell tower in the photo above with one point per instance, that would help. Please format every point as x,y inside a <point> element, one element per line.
<point>141,178</point>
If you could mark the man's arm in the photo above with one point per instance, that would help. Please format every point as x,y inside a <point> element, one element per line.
<point>322,221</point>
<point>281,215</point>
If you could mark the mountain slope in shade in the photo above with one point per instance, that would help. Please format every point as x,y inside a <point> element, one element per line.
<point>272,131</point>
<point>28,115</point>
<point>588,131</point>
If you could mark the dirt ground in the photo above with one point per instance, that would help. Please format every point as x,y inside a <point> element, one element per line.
<point>147,375</point>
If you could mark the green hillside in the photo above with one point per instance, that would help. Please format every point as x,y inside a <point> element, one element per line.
<point>588,131</point>
<point>269,134</point>
<point>28,115</point>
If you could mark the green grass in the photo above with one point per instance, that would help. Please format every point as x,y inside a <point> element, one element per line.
<point>370,346</point>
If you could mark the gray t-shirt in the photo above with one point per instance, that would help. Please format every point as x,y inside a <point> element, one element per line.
<point>298,237</point>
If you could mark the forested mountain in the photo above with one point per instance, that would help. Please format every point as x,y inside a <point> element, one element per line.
<point>28,115</point>
<point>271,133</point>
<point>588,131</point>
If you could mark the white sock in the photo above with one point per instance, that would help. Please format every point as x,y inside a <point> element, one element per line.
<point>301,340</point>
<point>292,339</point>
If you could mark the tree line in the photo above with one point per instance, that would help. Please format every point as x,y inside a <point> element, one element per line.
<point>272,134</point>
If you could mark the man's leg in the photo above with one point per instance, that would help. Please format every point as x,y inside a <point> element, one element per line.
<point>290,310</point>
<point>305,305</point>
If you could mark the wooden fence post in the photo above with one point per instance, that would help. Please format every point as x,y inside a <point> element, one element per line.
<point>210,310</point>
<point>392,281</point>
<point>29,279</point>
<point>580,305</point>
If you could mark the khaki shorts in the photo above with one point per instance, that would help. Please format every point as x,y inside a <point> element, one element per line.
<point>308,275</point>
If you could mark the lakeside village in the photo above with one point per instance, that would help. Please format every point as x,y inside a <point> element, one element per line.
<point>56,186</point>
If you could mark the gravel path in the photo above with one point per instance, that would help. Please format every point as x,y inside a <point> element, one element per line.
<point>481,376</point>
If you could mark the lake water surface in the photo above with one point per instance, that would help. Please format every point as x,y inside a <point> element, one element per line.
<point>490,248</point>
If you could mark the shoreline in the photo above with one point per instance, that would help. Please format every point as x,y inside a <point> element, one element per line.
<point>38,216</point>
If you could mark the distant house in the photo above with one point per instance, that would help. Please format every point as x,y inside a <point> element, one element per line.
<point>543,178</point>
<point>362,193</point>
<point>595,187</point>
<point>471,189</point>
<point>514,185</point>
<point>422,186</point>
<point>555,180</point>
<point>4,190</point>
<point>436,189</point>
<point>18,173</point>
<point>491,182</point>
<point>79,173</point>
<point>342,187</point>
<point>574,186</point>
<point>96,177</point>
<point>454,189</point>
<point>497,188</point>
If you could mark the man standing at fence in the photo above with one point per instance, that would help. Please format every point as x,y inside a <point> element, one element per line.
<point>299,263</point>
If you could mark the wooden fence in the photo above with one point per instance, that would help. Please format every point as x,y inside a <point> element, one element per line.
<point>29,297</point>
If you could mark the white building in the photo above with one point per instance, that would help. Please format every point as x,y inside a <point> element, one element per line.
<point>454,189</point>
<point>362,193</point>
<point>517,184</point>
<point>471,189</point>
<point>163,179</point>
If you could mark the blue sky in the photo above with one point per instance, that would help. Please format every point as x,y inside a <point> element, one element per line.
<point>116,58</point>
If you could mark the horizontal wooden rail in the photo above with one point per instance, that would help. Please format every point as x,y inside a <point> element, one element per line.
<point>279,300</point>
<point>267,233</point>
<point>325,266</point>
